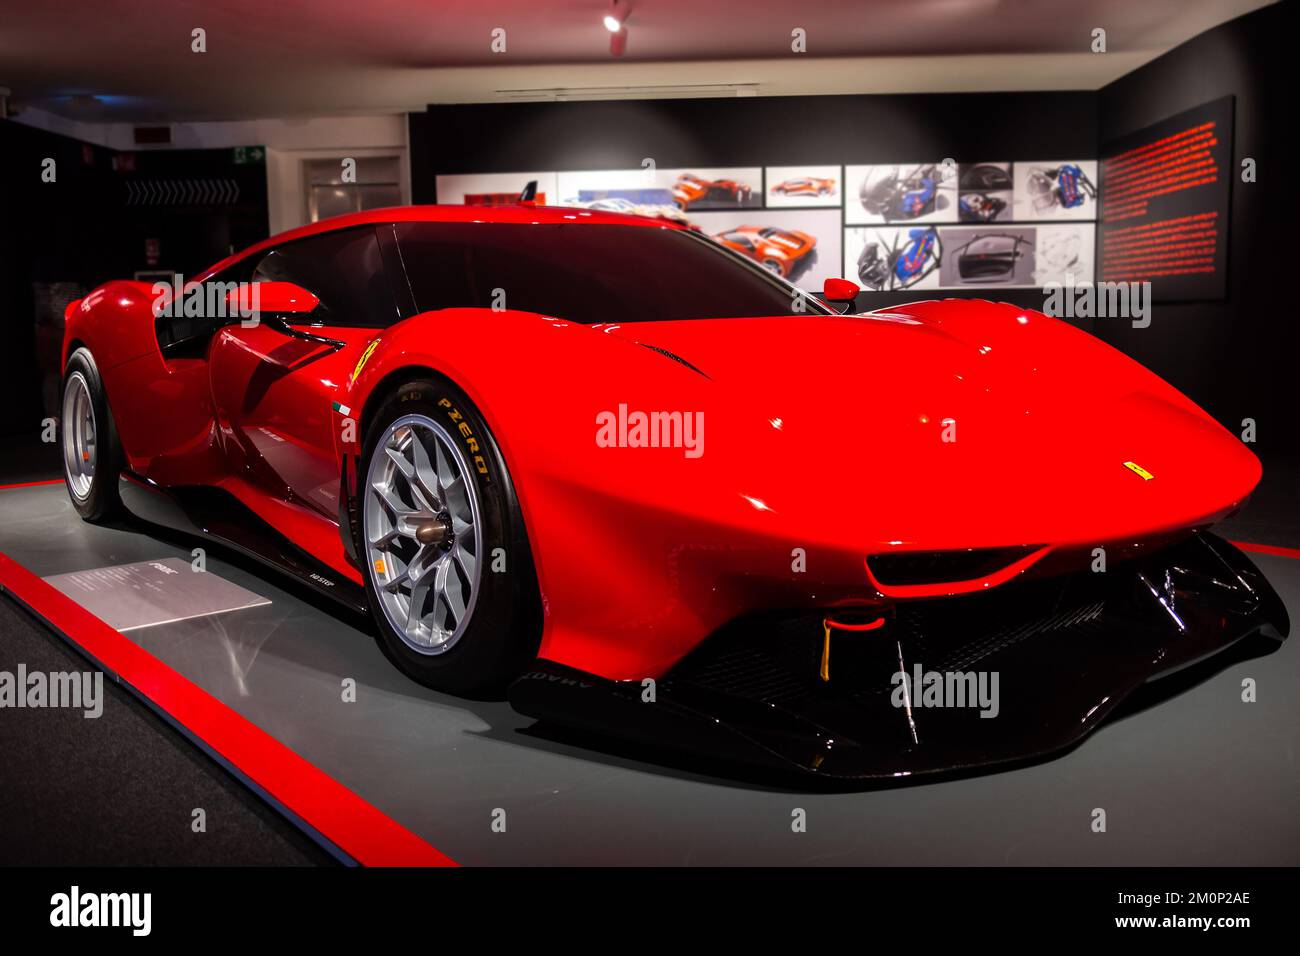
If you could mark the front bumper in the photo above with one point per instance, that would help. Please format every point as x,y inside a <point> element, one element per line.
<point>1053,657</point>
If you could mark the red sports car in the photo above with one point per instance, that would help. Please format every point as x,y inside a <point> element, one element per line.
<point>807,186</point>
<point>614,466</point>
<point>691,189</point>
<point>777,250</point>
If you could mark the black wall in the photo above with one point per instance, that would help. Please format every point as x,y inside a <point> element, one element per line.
<point>750,131</point>
<point>754,131</point>
<point>1237,357</point>
<point>59,232</point>
<point>91,225</point>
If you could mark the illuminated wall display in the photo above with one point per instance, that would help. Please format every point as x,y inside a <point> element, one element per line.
<point>1164,210</point>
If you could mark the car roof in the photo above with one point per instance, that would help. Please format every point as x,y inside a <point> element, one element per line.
<point>511,213</point>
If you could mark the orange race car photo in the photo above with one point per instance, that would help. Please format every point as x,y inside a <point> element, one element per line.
<point>778,250</point>
<point>691,190</point>
<point>805,186</point>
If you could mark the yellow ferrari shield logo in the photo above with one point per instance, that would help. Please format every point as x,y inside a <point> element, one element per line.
<point>1138,470</point>
<point>365,356</point>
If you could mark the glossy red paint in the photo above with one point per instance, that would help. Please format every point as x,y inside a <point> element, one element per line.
<point>840,290</point>
<point>830,440</point>
<point>935,426</point>
<point>271,297</point>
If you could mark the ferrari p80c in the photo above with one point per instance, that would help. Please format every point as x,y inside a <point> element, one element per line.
<point>637,482</point>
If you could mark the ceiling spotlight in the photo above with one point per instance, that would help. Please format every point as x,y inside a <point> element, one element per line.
<point>616,23</point>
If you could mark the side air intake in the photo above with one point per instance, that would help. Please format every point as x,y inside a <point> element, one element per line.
<point>941,567</point>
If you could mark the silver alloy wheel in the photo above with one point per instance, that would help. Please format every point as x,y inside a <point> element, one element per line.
<point>423,537</point>
<point>79,438</point>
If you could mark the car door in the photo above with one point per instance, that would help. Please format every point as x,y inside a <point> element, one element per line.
<point>273,393</point>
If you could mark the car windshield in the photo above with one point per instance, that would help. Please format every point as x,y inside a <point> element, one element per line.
<point>589,273</point>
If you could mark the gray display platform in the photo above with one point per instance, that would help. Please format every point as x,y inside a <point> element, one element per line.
<point>148,593</point>
<point>1202,778</point>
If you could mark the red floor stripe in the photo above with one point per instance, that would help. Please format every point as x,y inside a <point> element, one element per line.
<point>1268,549</point>
<point>33,484</point>
<point>352,824</point>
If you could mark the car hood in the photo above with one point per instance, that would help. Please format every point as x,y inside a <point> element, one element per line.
<point>951,424</point>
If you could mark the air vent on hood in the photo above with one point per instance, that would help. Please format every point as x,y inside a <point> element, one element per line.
<point>673,356</point>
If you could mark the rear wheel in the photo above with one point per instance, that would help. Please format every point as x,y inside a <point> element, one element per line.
<point>92,454</point>
<point>449,574</point>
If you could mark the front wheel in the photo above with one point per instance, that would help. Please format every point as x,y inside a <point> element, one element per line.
<point>449,573</point>
<point>92,454</point>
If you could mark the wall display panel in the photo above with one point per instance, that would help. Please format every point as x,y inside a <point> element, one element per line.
<point>690,190</point>
<point>1065,253</point>
<point>803,185</point>
<point>493,189</point>
<point>893,258</point>
<point>1165,201</point>
<point>987,257</point>
<point>636,193</point>
<point>908,193</point>
<point>969,258</point>
<point>1025,256</point>
<point>800,245</point>
<point>984,192</point>
<point>1054,189</point>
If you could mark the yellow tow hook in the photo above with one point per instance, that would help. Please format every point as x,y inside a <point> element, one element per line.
<point>829,623</point>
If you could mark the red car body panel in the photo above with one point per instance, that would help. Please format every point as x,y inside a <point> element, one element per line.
<point>821,432</point>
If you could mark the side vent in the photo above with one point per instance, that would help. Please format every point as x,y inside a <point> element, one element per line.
<point>908,568</point>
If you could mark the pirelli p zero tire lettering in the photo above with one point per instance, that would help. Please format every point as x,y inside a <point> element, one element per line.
<point>91,452</point>
<point>448,570</point>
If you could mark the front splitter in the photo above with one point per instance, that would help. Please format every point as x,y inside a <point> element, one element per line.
<point>951,685</point>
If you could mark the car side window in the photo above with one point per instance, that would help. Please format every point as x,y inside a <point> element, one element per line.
<point>344,269</point>
<point>184,330</point>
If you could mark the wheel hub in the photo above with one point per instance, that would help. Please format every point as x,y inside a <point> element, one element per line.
<point>422,533</point>
<point>78,434</point>
<point>436,532</point>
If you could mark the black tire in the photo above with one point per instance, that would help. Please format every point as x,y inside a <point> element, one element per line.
<point>101,501</point>
<point>504,628</point>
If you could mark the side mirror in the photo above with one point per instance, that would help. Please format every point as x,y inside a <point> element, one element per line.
<point>279,298</point>
<point>273,303</point>
<point>841,291</point>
